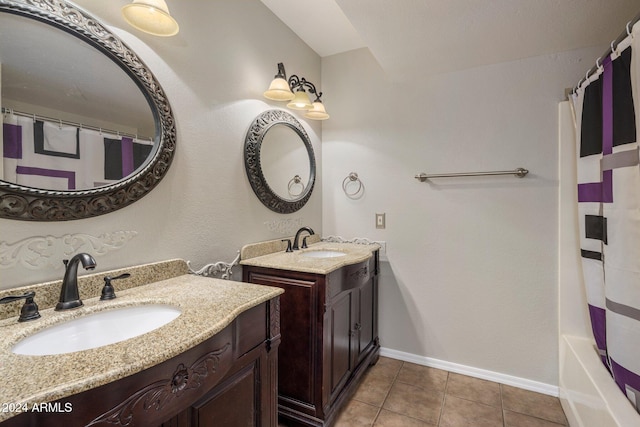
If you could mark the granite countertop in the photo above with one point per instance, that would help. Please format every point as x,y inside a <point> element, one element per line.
<point>208,305</point>
<point>297,261</point>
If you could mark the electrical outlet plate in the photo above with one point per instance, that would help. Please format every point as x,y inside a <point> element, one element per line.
<point>380,220</point>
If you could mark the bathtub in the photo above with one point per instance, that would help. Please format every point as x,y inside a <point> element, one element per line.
<point>589,396</point>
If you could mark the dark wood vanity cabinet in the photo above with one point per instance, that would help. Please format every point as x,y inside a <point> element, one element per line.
<point>329,327</point>
<point>230,380</point>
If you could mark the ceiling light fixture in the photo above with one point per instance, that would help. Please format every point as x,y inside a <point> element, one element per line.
<point>150,16</point>
<point>282,89</point>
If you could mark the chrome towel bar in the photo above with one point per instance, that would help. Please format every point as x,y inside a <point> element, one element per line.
<point>519,172</point>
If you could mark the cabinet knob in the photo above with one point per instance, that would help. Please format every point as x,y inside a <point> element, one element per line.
<point>355,329</point>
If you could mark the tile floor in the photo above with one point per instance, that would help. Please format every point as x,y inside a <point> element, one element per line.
<point>396,393</point>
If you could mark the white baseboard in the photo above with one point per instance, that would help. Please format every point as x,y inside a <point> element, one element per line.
<point>523,383</point>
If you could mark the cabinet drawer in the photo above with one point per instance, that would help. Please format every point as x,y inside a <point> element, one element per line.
<point>349,277</point>
<point>251,330</point>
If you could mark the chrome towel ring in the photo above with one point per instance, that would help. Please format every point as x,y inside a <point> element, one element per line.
<point>353,186</point>
<point>295,181</point>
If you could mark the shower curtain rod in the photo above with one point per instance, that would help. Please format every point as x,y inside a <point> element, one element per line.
<point>613,45</point>
<point>5,110</point>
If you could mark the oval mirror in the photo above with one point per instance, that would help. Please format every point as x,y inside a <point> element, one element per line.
<point>279,161</point>
<point>87,128</point>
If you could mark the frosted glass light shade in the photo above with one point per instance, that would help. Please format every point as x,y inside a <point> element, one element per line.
<point>150,16</point>
<point>279,90</point>
<point>317,112</point>
<point>301,101</point>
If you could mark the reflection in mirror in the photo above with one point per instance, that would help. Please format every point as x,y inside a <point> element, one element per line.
<point>87,129</point>
<point>68,111</point>
<point>285,162</point>
<point>279,161</point>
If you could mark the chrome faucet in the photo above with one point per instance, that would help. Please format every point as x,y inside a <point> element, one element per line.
<point>69,295</point>
<point>304,243</point>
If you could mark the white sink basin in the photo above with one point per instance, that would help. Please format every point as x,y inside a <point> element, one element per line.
<point>97,330</point>
<point>322,254</point>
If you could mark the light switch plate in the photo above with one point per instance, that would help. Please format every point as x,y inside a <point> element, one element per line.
<point>380,220</point>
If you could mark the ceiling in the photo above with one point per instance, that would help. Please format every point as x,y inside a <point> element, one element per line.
<point>411,37</point>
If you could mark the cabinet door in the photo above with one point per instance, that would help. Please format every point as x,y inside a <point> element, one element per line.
<point>367,320</point>
<point>299,329</point>
<point>342,339</point>
<point>233,403</point>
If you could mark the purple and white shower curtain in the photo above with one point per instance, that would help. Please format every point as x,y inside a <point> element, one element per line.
<point>607,108</point>
<point>49,155</point>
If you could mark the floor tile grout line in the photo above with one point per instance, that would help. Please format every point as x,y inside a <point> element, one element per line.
<point>393,381</point>
<point>546,420</point>
<point>444,398</point>
<point>504,419</point>
<point>468,399</point>
<point>373,423</point>
<point>564,424</point>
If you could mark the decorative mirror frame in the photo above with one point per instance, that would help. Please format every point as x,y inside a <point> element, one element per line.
<point>33,204</point>
<point>252,146</point>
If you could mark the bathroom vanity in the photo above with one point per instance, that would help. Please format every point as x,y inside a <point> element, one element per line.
<point>215,364</point>
<point>329,324</point>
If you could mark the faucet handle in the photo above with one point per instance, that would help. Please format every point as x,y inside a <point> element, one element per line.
<point>289,249</point>
<point>304,242</point>
<point>107,291</point>
<point>29,310</point>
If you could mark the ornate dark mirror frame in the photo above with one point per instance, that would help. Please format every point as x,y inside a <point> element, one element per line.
<point>33,204</point>
<point>252,146</point>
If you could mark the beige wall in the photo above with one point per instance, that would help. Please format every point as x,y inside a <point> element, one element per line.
<point>471,277</point>
<point>214,72</point>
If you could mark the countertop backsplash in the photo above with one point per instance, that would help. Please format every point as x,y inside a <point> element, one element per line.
<point>90,285</point>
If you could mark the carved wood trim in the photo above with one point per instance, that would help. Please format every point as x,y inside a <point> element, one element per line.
<point>274,321</point>
<point>157,395</point>
<point>359,274</point>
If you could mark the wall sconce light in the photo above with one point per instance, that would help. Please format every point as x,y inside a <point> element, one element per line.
<point>282,89</point>
<point>150,16</point>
